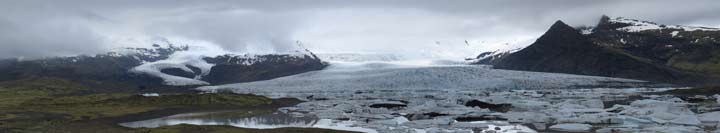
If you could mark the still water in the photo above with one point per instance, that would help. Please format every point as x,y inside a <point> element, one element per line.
<point>237,118</point>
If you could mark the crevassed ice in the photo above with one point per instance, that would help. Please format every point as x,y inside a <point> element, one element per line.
<point>351,77</point>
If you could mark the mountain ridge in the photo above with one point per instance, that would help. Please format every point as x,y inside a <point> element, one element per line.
<point>115,71</point>
<point>609,50</point>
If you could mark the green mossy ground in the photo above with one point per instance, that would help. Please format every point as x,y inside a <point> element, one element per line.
<point>54,105</point>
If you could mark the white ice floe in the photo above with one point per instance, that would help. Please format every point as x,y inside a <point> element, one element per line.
<point>571,127</point>
<point>343,125</point>
<point>662,112</point>
<point>673,129</point>
<point>710,117</point>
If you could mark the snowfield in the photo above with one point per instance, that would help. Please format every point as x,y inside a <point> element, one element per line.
<point>638,26</point>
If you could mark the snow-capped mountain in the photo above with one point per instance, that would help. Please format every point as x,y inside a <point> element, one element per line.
<point>162,67</point>
<point>205,67</point>
<point>634,25</point>
<point>621,47</point>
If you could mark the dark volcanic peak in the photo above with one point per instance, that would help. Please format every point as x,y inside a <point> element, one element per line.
<point>561,35</point>
<point>559,31</point>
<point>560,27</point>
<point>245,68</point>
<point>624,48</point>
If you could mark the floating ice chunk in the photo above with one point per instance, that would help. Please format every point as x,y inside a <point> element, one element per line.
<point>344,125</point>
<point>512,129</point>
<point>710,117</point>
<point>530,104</point>
<point>469,125</point>
<point>401,120</point>
<point>440,130</point>
<point>150,94</point>
<point>599,118</point>
<point>389,123</point>
<point>672,111</point>
<point>421,124</point>
<point>689,120</point>
<point>616,130</point>
<point>635,120</point>
<point>571,127</point>
<point>527,117</point>
<point>673,129</point>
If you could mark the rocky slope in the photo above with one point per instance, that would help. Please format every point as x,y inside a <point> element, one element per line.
<point>159,68</point>
<point>623,48</point>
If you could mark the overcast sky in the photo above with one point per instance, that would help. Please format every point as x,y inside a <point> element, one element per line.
<point>39,28</point>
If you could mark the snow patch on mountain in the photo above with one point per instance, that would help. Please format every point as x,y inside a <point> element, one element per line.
<point>502,51</point>
<point>132,52</point>
<point>638,25</point>
<point>497,54</point>
<point>586,31</point>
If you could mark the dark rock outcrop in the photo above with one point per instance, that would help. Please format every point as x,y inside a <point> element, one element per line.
<point>179,72</point>
<point>490,106</point>
<point>388,105</point>
<point>234,69</point>
<point>480,118</point>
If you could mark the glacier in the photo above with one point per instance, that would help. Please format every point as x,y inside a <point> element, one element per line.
<point>433,96</point>
<point>389,93</point>
<point>411,76</point>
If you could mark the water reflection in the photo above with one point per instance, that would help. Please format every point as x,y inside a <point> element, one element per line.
<point>245,119</point>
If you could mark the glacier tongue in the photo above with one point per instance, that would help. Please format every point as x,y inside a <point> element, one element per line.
<point>196,63</point>
<point>410,76</point>
<point>182,59</point>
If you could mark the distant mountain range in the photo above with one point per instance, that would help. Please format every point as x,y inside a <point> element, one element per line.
<point>158,69</point>
<point>621,47</point>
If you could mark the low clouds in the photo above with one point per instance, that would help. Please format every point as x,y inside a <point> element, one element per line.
<point>34,37</point>
<point>41,28</point>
